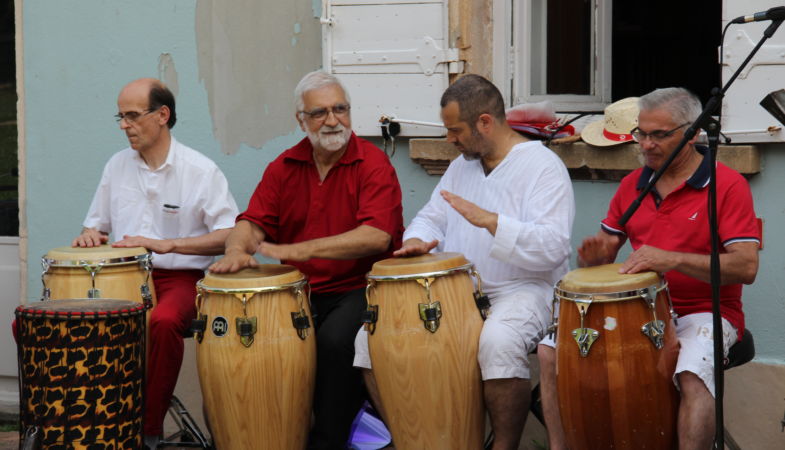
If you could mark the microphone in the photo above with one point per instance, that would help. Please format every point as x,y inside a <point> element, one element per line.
<point>776,13</point>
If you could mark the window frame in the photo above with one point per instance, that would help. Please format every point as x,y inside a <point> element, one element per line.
<point>513,62</point>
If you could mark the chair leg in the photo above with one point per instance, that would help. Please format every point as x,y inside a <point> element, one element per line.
<point>188,434</point>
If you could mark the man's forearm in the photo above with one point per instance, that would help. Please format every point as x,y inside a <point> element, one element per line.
<point>207,244</point>
<point>734,268</point>
<point>358,243</point>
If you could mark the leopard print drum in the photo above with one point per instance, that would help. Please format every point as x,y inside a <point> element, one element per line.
<point>81,370</point>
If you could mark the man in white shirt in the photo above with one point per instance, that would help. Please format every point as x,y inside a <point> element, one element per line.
<point>174,201</point>
<point>508,206</point>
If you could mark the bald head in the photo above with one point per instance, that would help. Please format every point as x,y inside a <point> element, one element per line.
<point>157,94</point>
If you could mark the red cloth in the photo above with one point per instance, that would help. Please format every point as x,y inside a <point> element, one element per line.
<point>680,223</point>
<point>292,205</point>
<point>170,319</point>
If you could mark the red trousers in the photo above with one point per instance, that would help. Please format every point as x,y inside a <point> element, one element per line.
<point>171,318</point>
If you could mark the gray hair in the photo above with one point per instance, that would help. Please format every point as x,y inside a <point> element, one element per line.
<point>316,80</point>
<point>683,105</point>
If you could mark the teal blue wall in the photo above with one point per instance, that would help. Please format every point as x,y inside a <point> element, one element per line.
<point>78,54</point>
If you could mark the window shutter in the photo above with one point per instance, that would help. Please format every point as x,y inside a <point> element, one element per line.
<point>744,120</point>
<point>394,58</point>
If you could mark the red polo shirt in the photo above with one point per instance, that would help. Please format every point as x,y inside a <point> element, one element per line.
<point>680,222</point>
<point>292,205</point>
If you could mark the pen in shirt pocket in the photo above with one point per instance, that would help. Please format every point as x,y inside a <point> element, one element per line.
<point>171,209</point>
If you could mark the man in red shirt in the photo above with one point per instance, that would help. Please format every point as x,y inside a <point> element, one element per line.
<point>669,234</point>
<point>330,206</point>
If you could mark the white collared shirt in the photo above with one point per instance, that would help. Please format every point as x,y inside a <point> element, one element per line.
<point>531,192</point>
<point>187,196</point>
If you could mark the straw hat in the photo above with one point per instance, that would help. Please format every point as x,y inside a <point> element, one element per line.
<point>614,128</point>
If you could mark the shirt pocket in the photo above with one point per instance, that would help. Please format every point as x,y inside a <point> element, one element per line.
<point>170,220</point>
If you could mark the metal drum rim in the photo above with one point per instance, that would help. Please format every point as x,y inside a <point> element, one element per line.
<point>201,287</point>
<point>100,261</point>
<point>606,297</point>
<point>418,276</point>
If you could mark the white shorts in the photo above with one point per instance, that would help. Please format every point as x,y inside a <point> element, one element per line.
<point>696,340</point>
<point>515,323</point>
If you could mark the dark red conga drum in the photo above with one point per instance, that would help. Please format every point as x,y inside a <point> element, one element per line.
<point>615,356</point>
<point>81,372</point>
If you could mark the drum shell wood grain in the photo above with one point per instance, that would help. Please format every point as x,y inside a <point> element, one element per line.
<point>429,383</point>
<point>621,395</point>
<point>260,394</point>
<point>122,281</point>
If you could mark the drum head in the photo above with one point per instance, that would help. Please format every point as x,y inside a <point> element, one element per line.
<point>262,275</point>
<point>98,254</point>
<point>432,262</point>
<point>91,307</point>
<point>606,279</point>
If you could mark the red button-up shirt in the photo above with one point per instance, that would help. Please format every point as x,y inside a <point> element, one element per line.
<point>679,223</point>
<point>291,204</point>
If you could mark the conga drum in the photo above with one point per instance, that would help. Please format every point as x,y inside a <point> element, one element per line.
<point>256,357</point>
<point>615,357</point>
<point>81,372</point>
<point>98,272</point>
<point>423,345</point>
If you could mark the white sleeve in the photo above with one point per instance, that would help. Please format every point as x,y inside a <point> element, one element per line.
<point>541,242</point>
<point>219,207</point>
<point>99,216</point>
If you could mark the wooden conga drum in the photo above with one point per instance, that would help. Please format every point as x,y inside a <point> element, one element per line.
<point>616,353</point>
<point>98,272</point>
<point>81,372</point>
<point>256,357</point>
<point>423,347</point>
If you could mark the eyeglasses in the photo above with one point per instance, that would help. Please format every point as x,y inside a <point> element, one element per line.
<point>656,135</point>
<point>319,114</point>
<point>133,116</point>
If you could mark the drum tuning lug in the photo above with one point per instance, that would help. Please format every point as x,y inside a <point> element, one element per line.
<point>585,337</point>
<point>198,326</point>
<point>655,331</point>
<point>301,323</point>
<point>46,294</point>
<point>483,304</point>
<point>551,330</point>
<point>93,293</point>
<point>246,328</point>
<point>147,297</point>
<point>430,313</point>
<point>369,318</point>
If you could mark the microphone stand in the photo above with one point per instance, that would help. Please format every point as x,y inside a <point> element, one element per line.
<point>712,127</point>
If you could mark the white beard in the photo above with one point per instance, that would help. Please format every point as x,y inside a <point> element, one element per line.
<point>330,142</point>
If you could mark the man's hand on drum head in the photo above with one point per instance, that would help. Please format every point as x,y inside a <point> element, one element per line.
<point>90,237</point>
<point>232,262</point>
<point>650,258</point>
<point>471,212</point>
<point>415,247</point>
<point>159,246</point>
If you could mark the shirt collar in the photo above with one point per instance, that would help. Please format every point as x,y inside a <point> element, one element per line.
<point>698,180</point>
<point>170,156</point>
<point>303,152</point>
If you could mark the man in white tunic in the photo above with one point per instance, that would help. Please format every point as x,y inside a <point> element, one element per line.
<point>171,199</point>
<point>508,206</point>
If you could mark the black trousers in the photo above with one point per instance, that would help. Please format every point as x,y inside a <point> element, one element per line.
<point>340,391</point>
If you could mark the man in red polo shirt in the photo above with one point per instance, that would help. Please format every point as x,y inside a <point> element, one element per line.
<point>669,234</point>
<point>330,206</point>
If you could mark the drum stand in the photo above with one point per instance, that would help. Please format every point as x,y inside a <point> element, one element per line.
<point>188,435</point>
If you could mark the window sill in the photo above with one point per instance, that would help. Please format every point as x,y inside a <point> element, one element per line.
<point>584,162</point>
